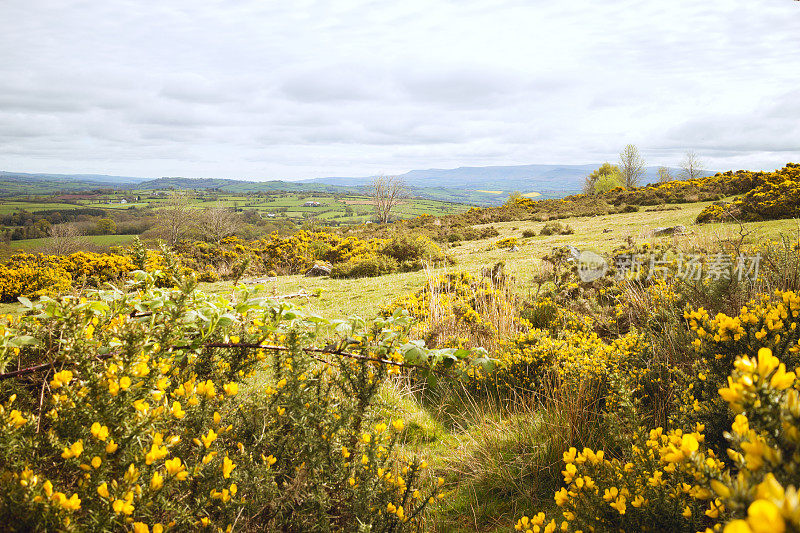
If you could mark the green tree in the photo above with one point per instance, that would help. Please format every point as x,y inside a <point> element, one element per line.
<point>610,174</point>
<point>106,226</point>
<point>606,182</point>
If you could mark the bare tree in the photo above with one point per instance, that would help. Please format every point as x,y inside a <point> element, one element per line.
<point>173,218</point>
<point>664,175</point>
<point>631,166</point>
<point>64,239</point>
<point>217,222</point>
<point>387,192</point>
<point>691,166</point>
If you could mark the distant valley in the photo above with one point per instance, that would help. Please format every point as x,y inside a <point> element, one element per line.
<point>488,185</point>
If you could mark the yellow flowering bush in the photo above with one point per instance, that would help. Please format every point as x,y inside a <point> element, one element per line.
<point>462,310</point>
<point>660,486</point>
<point>773,195</point>
<point>165,409</point>
<point>34,275</point>
<point>770,321</point>
<point>761,487</point>
<point>296,253</point>
<point>671,480</point>
<point>32,282</point>
<point>508,242</point>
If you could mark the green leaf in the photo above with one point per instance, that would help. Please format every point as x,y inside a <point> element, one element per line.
<point>22,340</point>
<point>414,353</point>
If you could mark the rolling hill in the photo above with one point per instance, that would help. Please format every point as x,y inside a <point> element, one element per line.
<point>488,185</point>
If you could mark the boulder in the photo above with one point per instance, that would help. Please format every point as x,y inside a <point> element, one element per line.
<point>673,230</point>
<point>318,270</point>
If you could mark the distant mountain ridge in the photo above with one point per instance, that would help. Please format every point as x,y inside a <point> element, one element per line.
<point>524,178</point>
<point>92,178</point>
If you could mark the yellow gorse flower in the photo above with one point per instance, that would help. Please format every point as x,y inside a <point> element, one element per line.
<point>100,432</point>
<point>75,450</point>
<point>208,438</point>
<point>227,467</point>
<point>176,468</point>
<point>61,378</point>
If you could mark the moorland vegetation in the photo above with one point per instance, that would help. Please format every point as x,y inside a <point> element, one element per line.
<point>643,399</point>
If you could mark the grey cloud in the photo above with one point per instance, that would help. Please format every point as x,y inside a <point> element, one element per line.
<point>264,89</point>
<point>194,88</point>
<point>459,86</point>
<point>331,85</point>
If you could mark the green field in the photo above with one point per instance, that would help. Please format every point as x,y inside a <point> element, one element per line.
<point>338,208</point>
<point>9,206</point>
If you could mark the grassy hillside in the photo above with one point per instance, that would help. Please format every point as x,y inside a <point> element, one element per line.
<point>368,295</point>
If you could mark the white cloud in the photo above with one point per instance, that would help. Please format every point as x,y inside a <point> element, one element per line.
<point>249,88</point>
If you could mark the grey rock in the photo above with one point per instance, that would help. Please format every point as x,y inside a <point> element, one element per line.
<point>673,230</point>
<point>318,270</point>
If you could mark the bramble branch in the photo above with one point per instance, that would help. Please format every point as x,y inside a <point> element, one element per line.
<point>227,345</point>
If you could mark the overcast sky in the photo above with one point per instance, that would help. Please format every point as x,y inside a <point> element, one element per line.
<point>293,88</point>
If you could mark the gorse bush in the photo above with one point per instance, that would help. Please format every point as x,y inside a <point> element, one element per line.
<point>32,281</point>
<point>34,275</point>
<point>460,310</point>
<point>669,480</point>
<point>296,253</point>
<point>772,195</point>
<point>508,242</point>
<point>167,409</point>
<point>731,453</point>
<point>365,267</point>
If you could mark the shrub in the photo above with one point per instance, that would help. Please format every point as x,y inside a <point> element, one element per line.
<point>556,228</point>
<point>407,249</point>
<point>528,233</point>
<point>773,195</point>
<point>151,418</point>
<point>31,281</point>
<point>34,275</point>
<point>365,267</point>
<point>508,242</point>
<point>669,479</point>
